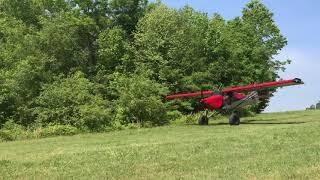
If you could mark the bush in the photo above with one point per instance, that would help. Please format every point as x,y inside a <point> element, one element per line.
<point>55,130</point>
<point>139,100</point>
<point>174,115</point>
<point>187,119</point>
<point>193,118</point>
<point>11,131</point>
<point>73,101</point>
<point>247,111</point>
<point>6,136</point>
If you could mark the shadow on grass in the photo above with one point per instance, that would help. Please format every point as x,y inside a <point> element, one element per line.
<point>258,122</point>
<point>253,122</point>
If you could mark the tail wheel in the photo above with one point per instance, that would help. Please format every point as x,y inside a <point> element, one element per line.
<point>234,119</point>
<point>203,120</point>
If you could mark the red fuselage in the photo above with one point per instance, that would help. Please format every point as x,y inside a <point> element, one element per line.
<point>217,101</point>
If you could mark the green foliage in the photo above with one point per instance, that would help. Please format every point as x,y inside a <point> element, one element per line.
<point>12,131</point>
<point>126,13</point>
<point>171,44</point>
<point>55,130</point>
<point>190,119</point>
<point>21,9</point>
<point>106,13</point>
<point>73,101</point>
<point>69,41</point>
<point>113,50</point>
<point>174,115</point>
<point>107,64</point>
<point>139,100</point>
<point>190,52</point>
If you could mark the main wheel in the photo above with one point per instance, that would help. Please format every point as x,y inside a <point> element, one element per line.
<point>234,119</point>
<point>203,120</point>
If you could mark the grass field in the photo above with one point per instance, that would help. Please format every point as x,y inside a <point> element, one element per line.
<point>268,146</point>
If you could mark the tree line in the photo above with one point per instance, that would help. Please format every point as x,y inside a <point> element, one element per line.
<point>93,64</point>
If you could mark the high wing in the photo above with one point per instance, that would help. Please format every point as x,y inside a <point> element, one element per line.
<point>263,86</point>
<point>242,89</point>
<point>195,94</point>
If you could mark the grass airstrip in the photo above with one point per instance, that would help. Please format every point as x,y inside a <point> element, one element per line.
<point>267,146</point>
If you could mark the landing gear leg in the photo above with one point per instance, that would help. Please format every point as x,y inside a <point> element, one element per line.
<point>204,120</point>
<point>234,118</point>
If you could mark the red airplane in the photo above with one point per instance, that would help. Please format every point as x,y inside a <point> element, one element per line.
<point>234,98</point>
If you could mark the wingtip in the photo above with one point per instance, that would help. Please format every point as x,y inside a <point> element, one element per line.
<point>298,81</point>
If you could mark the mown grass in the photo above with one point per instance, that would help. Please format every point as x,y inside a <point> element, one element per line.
<point>268,146</point>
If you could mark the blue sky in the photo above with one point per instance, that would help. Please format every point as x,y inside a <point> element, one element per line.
<point>299,22</point>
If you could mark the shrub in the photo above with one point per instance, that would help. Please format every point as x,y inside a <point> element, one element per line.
<point>73,101</point>
<point>174,115</point>
<point>187,119</point>
<point>55,130</point>
<point>12,131</point>
<point>139,100</point>
<point>193,118</point>
<point>247,111</point>
<point>6,136</point>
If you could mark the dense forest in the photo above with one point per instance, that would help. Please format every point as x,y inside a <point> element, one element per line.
<point>93,64</point>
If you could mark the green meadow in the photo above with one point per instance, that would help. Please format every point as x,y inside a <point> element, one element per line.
<point>267,146</point>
